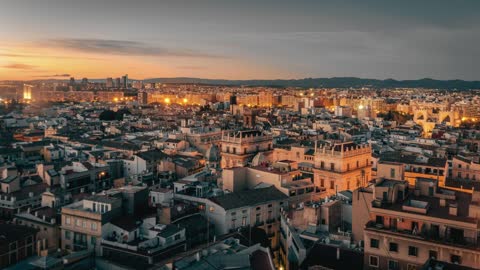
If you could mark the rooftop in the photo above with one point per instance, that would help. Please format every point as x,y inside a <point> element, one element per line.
<point>249,198</point>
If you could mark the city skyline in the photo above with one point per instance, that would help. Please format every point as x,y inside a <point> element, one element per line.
<point>239,40</point>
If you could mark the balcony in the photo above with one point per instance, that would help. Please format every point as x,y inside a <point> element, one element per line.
<point>270,220</point>
<point>259,223</point>
<point>429,235</point>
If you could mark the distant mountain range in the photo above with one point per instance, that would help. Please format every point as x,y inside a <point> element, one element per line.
<point>336,82</point>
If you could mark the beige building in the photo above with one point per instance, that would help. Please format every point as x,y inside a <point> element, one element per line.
<point>284,175</point>
<point>82,222</point>
<point>400,166</point>
<point>342,166</point>
<point>466,167</point>
<point>407,227</point>
<point>43,219</point>
<point>239,147</point>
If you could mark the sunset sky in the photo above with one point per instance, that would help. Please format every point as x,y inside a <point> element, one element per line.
<point>243,39</point>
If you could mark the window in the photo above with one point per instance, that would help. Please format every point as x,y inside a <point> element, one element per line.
<point>393,247</point>
<point>322,165</point>
<point>392,265</point>
<point>93,240</point>
<point>322,182</point>
<point>358,163</point>
<point>332,166</point>
<point>258,208</point>
<point>84,224</point>
<point>93,226</point>
<point>373,261</point>
<point>67,235</point>
<point>94,207</point>
<point>374,243</point>
<point>412,251</point>
<point>332,185</point>
<point>459,175</point>
<point>78,222</point>
<point>177,237</point>
<point>234,213</point>
<point>455,259</point>
<point>432,254</point>
<point>348,166</point>
<point>392,173</point>
<point>459,166</point>
<point>411,267</point>
<point>67,220</point>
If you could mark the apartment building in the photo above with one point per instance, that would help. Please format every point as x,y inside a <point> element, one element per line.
<point>239,147</point>
<point>82,222</point>
<point>466,166</point>
<point>283,175</point>
<point>409,225</point>
<point>398,165</point>
<point>319,226</point>
<point>16,243</point>
<point>342,166</point>
<point>85,177</point>
<point>45,220</point>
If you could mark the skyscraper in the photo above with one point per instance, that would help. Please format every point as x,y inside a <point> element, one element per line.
<point>118,83</point>
<point>109,83</point>
<point>27,91</point>
<point>125,81</point>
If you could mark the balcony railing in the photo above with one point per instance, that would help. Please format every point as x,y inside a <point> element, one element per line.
<point>426,235</point>
<point>270,220</point>
<point>259,223</point>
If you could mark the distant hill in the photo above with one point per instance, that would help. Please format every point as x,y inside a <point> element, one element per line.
<point>336,82</point>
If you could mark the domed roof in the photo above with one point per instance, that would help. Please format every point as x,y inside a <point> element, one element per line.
<point>213,153</point>
<point>258,159</point>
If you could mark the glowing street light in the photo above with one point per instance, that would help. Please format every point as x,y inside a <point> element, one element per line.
<point>167,100</point>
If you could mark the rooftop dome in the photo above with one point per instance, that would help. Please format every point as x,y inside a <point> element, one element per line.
<point>213,153</point>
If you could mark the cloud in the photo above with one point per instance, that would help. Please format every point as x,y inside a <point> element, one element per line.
<point>19,66</point>
<point>55,75</point>
<point>29,55</point>
<point>191,67</point>
<point>123,47</point>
